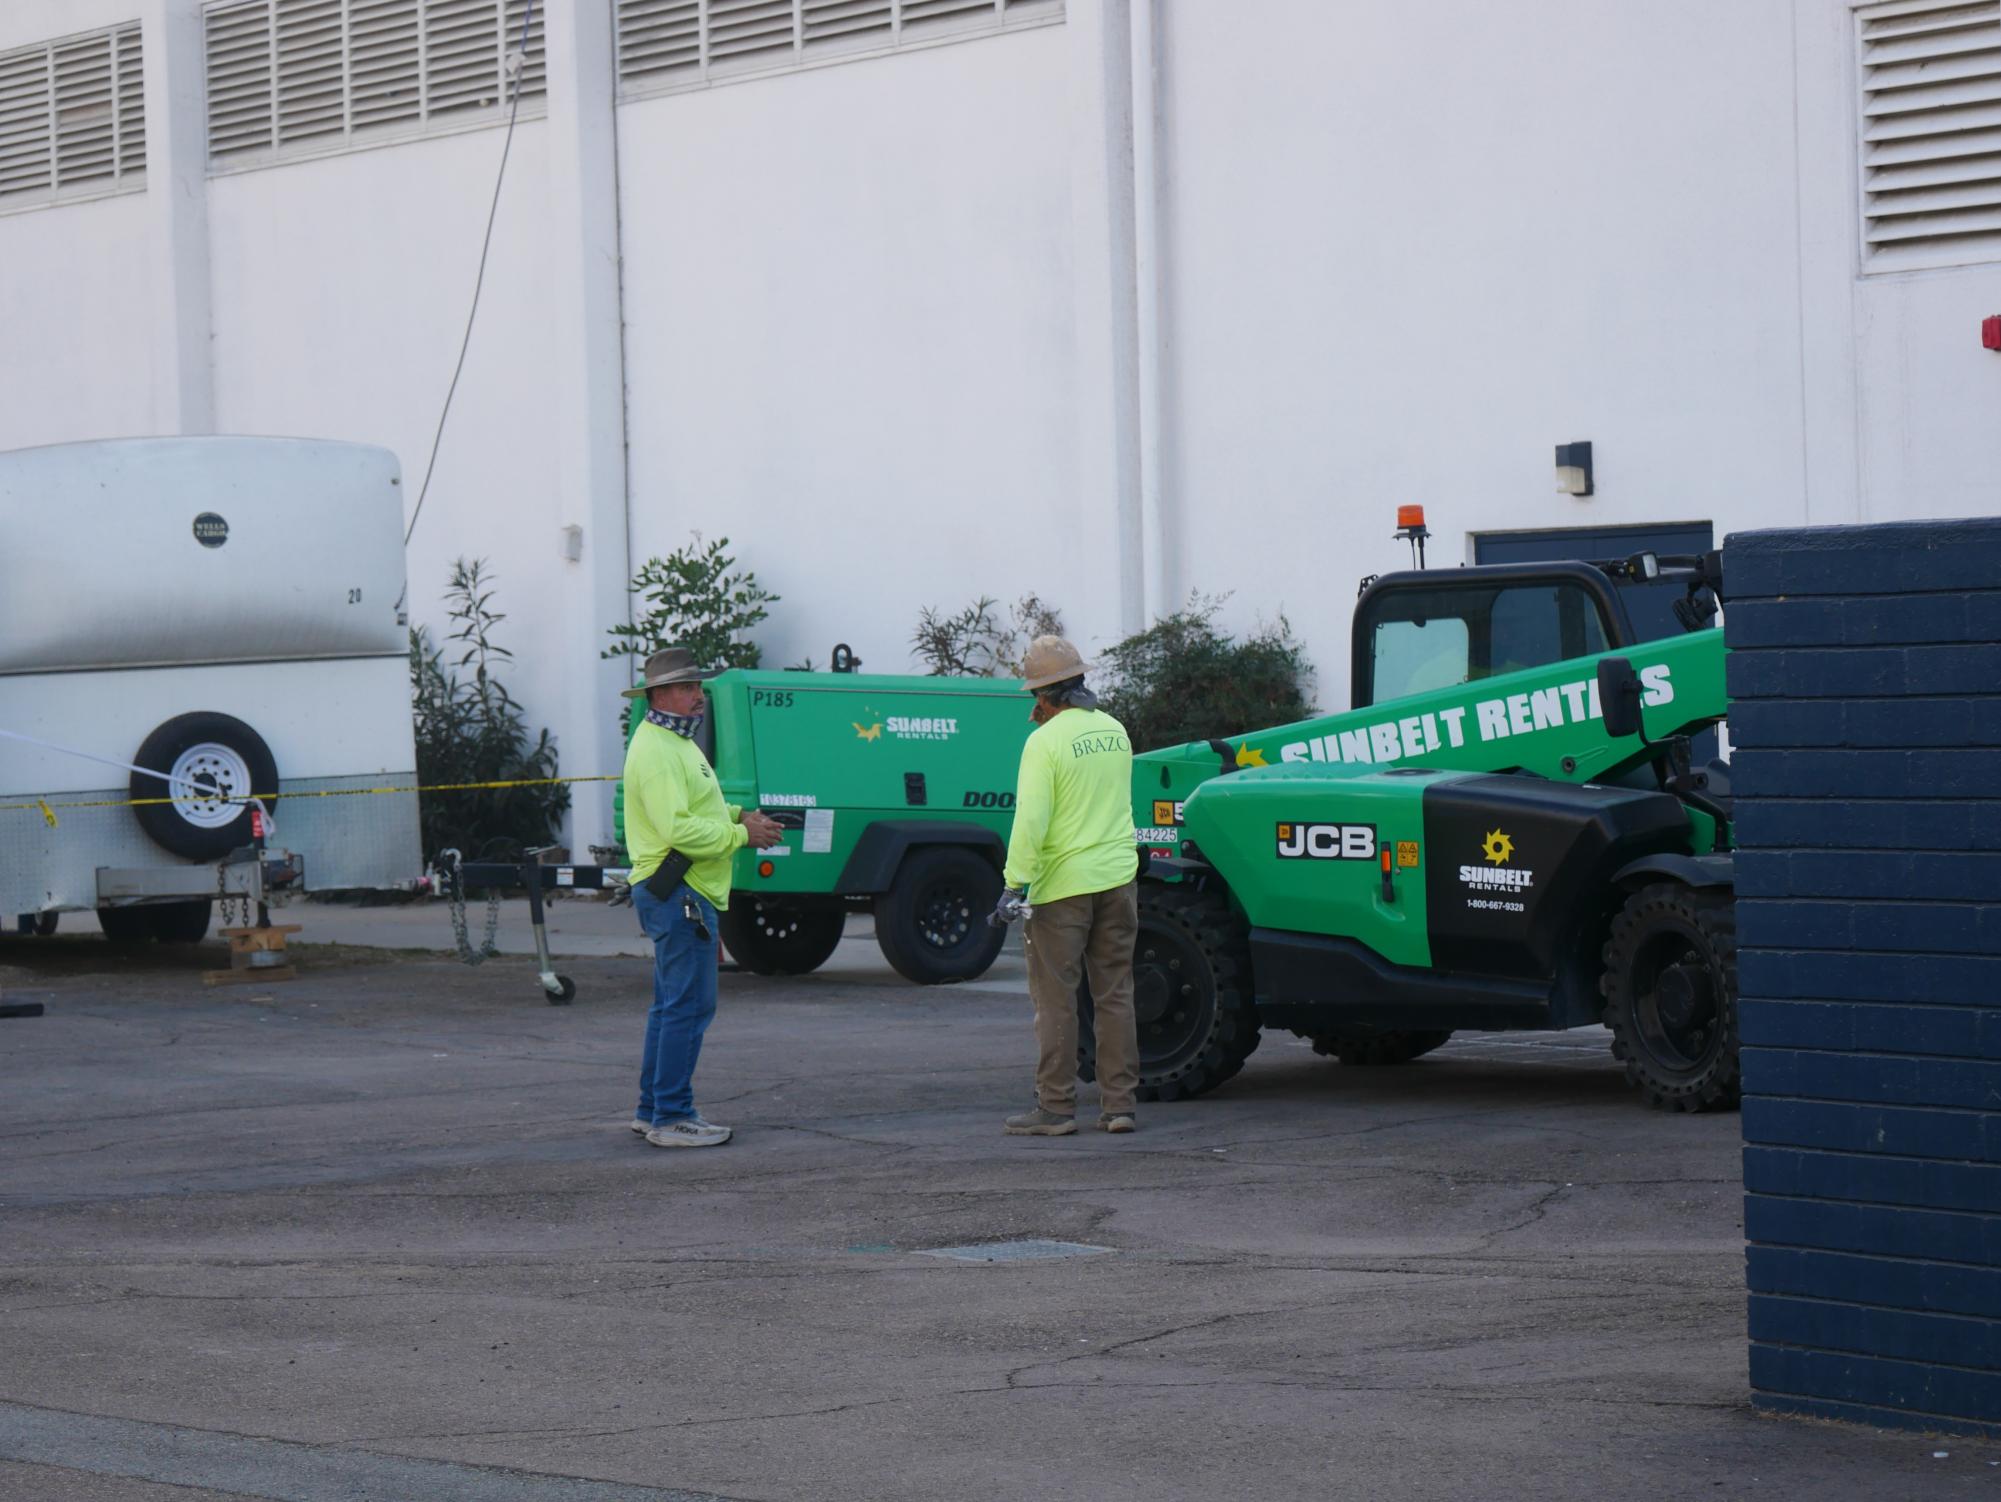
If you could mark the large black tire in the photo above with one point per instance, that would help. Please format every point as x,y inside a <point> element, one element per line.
<point>932,922</point>
<point>161,922</point>
<point>1355,1046</point>
<point>1670,988</point>
<point>181,922</point>
<point>768,936</point>
<point>221,755</point>
<point>125,925</point>
<point>1192,998</point>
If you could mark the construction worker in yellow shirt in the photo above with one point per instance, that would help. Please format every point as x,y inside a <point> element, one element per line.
<point>1071,873</point>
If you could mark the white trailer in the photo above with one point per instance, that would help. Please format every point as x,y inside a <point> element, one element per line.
<point>226,613</point>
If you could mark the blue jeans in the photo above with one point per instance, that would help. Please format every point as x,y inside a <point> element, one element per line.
<point>684,1002</point>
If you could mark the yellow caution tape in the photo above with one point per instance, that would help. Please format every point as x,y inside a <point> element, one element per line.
<point>47,809</point>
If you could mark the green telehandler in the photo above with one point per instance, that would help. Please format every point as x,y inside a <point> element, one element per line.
<point>1506,831</point>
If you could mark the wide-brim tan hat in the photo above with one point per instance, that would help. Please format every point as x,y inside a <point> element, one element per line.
<point>671,665</point>
<point>1051,659</point>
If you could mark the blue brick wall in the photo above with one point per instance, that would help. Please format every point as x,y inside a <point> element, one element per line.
<point>1865,683</point>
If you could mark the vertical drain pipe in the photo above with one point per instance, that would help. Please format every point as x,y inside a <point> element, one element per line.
<point>1158,585</point>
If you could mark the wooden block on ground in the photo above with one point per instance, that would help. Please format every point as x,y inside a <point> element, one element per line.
<point>231,977</point>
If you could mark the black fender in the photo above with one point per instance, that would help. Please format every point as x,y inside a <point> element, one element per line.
<point>1698,871</point>
<point>880,850</point>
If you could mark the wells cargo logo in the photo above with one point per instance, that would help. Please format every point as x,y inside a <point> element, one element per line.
<point>1327,842</point>
<point>1499,874</point>
<point>907,728</point>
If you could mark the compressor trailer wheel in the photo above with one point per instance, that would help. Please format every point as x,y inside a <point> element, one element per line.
<point>1670,987</point>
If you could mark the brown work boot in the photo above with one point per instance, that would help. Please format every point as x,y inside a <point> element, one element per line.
<point>1040,1123</point>
<point>1117,1121</point>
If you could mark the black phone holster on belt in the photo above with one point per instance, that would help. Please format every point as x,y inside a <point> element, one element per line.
<point>673,871</point>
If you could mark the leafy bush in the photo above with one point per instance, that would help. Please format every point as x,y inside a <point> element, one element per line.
<point>471,730</point>
<point>977,642</point>
<point>1183,680</point>
<point>694,598</point>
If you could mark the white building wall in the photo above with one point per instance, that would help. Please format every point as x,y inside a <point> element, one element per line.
<point>850,341</point>
<point>75,323</point>
<point>882,325</point>
<point>341,291</point>
<point>75,319</point>
<point>1408,259</point>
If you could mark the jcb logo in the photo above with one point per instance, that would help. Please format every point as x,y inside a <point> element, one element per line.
<point>989,800</point>
<point>1327,842</point>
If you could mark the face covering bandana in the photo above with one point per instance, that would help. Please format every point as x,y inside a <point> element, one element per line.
<point>683,725</point>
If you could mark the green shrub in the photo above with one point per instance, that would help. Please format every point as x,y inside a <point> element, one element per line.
<point>694,598</point>
<point>977,642</point>
<point>471,730</point>
<point>1183,680</point>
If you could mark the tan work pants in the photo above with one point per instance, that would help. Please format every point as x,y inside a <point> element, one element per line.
<point>1093,933</point>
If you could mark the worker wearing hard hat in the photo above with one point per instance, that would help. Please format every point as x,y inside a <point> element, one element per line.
<point>682,836</point>
<point>1071,873</point>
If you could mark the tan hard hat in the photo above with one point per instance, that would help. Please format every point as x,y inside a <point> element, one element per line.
<point>673,665</point>
<point>1051,659</point>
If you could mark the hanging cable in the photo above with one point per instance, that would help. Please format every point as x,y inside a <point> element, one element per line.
<point>518,64</point>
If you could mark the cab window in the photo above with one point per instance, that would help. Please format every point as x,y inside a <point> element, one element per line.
<point>1422,640</point>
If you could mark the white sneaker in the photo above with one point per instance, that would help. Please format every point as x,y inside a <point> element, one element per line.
<point>641,1125</point>
<point>692,1132</point>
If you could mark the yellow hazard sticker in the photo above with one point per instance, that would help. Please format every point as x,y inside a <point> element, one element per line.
<point>1407,855</point>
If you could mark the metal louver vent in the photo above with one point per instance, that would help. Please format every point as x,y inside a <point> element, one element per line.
<point>846,23</point>
<point>238,44</point>
<point>72,117</point>
<point>750,33</point>
<point>462,52</point>
<point>131,101</point>
<point>322,74</point>
<point>311,77</point>
<point>86,135</point>
<point>1931,132</point>
<point>660,39</point>
<point>384,80</point>
<point>665,45</point>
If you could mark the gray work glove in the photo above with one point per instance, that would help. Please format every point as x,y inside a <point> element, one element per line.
<point>1012,905</point>
<point>621,894</point>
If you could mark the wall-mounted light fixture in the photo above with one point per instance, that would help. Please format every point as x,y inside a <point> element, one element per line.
<point>1573,469</point>
<point>573,543</point>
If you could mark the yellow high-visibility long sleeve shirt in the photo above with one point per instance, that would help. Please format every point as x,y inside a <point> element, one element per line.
<point>1073,816</point>
<point>672,803</point>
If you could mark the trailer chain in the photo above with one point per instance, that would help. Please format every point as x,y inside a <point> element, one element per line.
<point>222,900</point>
<point>452,864</point>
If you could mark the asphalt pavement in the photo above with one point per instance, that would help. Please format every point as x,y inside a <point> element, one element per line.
<point>380,1233</point>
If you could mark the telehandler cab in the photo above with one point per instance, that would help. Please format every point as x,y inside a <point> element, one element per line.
<point>1504,832</point>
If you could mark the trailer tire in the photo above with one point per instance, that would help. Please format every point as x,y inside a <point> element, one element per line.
<point>40,925</point>
<point>767,936</point>
<point>180,922</point>
<point>1377,1049</point>
<point>125,925</point>
<point>1670,988</point>
<point>215,751</point>
<point>1191,995</point>
<point>932,922</point>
